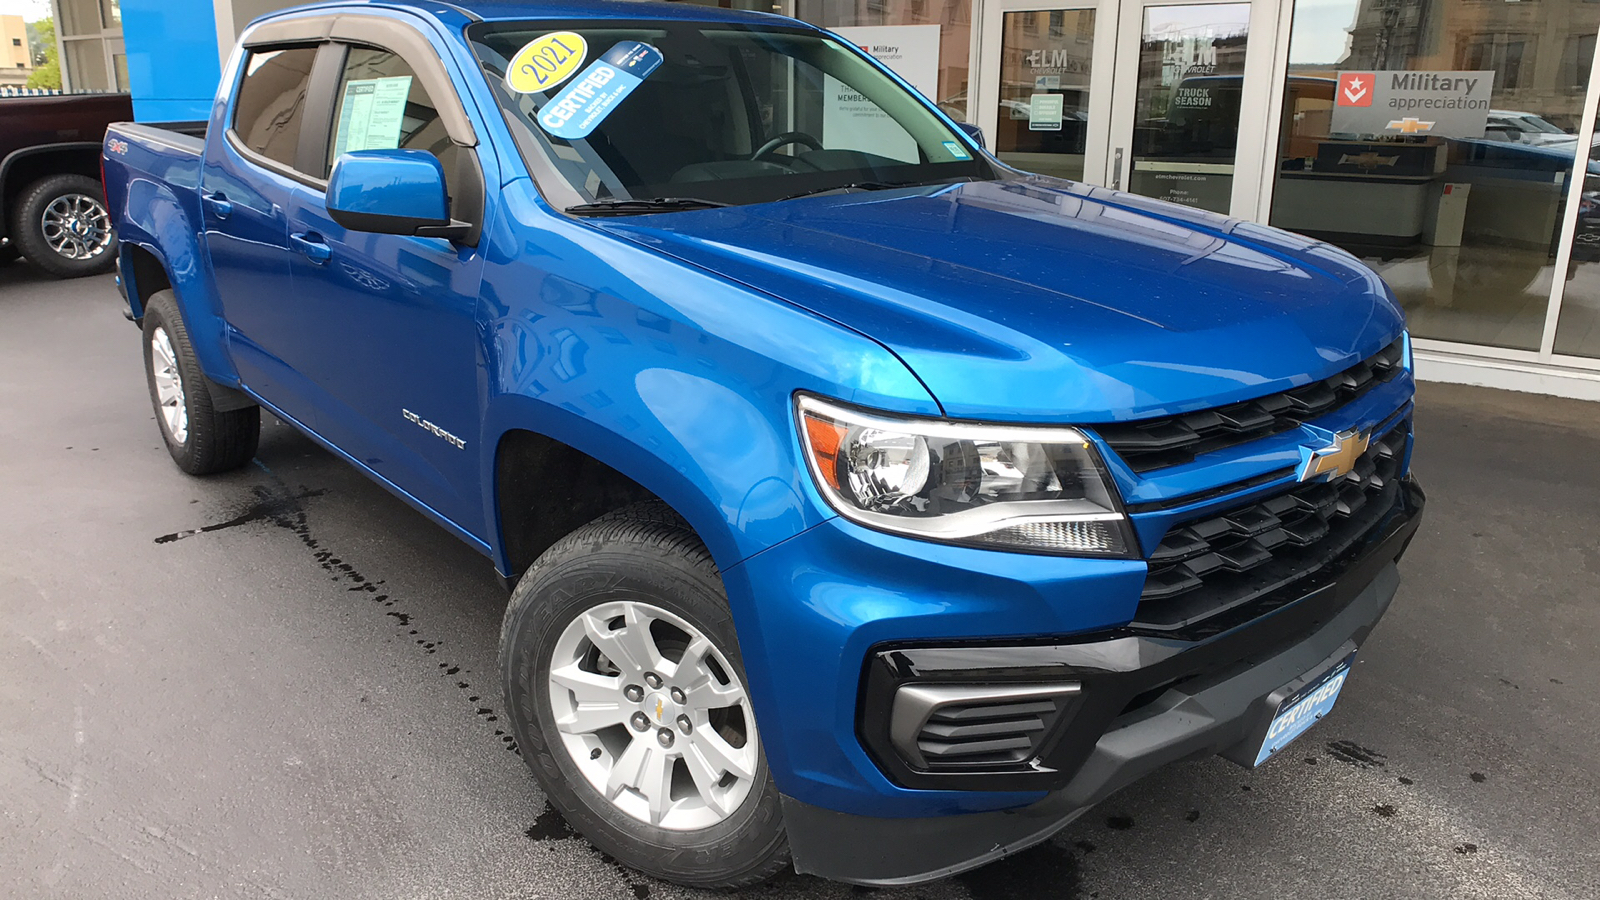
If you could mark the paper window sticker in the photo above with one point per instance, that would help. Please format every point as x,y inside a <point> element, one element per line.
<point>579,110</point>
<point>546,61</point>
<point>371,114</point>
<point>956,150</point>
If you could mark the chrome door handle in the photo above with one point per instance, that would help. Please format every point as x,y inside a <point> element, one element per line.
<point>218,203</point>
<point>1116,170</point>
<point>310,243</point>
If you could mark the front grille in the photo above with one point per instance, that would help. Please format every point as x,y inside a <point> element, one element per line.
<point>1173,440</point>
<point>1209,565</point>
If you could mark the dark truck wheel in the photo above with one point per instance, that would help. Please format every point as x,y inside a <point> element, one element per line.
<point>202,440</point>
<point>60,224</point>
<point>628,700</point>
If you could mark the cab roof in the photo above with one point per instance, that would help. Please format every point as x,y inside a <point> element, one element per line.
<point>489,10</point>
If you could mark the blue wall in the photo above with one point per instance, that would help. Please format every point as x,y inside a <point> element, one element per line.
<point>172,58</point>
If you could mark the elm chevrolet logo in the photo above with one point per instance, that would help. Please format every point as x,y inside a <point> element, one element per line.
<point>1410,125</point>
<point>1336,460</point>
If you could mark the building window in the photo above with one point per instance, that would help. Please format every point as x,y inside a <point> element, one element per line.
<point>1575,63</point>
<point>92,55</point>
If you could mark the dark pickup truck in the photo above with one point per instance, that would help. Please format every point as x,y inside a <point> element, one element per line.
<point>52,207</point>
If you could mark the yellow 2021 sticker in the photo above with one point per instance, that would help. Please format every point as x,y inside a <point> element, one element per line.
<point>546,61</point>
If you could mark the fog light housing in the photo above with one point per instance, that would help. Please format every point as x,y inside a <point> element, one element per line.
<point>955,727</point>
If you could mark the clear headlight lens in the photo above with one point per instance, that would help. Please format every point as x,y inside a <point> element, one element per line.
<point>1042,490</point>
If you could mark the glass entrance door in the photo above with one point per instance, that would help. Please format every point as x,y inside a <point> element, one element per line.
<point>1188,85</point>
<point>1044,94</point>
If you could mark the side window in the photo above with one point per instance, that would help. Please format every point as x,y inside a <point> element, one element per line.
<point>270,108</point>
<point>381,105</point>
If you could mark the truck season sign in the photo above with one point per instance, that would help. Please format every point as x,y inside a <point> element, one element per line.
<point>1431,104</point>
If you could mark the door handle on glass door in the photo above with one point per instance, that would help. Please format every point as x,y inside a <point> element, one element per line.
<point>1116,170</point>
<point>310,243</point>
<point>218,203</point>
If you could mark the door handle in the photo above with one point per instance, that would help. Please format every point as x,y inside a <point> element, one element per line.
<point>1116,171</point>
<point>310,243</point>
<point>218,203</point>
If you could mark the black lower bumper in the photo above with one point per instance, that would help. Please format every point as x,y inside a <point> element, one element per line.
<point>1212,696</point>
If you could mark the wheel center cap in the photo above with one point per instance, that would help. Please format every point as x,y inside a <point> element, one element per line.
<point>659,707</point>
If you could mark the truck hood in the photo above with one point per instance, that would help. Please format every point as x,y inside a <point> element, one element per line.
<point>1050,301</point>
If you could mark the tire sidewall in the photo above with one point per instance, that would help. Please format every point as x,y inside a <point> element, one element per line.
<point>556,593</point>
<point>27,235</point>
<point>161,312</point>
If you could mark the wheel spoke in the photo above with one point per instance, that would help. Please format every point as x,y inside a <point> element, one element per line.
<point>628,770</point>
<point>721,756</point>
<point>705,780</point>
<point>588,687</point>
<point>709,693</point>
<point>692,661</point>
<point>587,718</point>
<point>655,782</point>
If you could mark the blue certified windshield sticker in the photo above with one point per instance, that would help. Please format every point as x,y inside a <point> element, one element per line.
<point>581,108</point>
<point>956,150</point>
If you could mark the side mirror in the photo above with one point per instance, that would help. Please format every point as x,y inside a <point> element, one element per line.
<point>973,132</point>
<point>392,192</point>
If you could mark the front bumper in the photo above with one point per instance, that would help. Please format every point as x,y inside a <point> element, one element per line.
<point>1158,700</point>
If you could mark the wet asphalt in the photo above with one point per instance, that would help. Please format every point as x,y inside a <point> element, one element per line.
<point>280,683</point>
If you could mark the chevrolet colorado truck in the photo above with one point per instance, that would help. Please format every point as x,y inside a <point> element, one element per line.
<point>869,506</point>
<point>52,208</point>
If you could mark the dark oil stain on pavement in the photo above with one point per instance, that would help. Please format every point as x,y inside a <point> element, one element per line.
<point>1119,823</point>
<point>1355,754</point>
<point>1479,777</point>
<point>1046,871</point>
<point>1385,810</point>
<point>549,826</point>
<point>1466,849</point>
<point>278,504</point>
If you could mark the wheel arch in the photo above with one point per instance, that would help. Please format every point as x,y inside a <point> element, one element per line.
<point>540,452</point>
<point>23,167</point>
<point>159,248</point>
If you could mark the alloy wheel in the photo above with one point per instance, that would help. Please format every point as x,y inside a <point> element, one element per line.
<point>169,386</point>
<point>653,715</point>
<point>76,226</point>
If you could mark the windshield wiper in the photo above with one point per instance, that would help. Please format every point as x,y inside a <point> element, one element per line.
<point>630,207</point>
<point>876,186</point>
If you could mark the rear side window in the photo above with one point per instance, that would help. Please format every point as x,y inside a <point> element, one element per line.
<point>270,108</point>
<point>381,105</point>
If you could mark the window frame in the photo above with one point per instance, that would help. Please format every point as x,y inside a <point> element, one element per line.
<point>309,120</point>
<point>333,36</point>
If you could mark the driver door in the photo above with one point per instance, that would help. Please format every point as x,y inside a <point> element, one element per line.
<point>392,336</point>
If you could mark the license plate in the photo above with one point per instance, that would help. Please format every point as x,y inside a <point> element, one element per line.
<point>1300,712</point>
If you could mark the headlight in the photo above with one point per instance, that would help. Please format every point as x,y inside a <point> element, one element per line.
<point>1042,490</point>
<point>1408,354</point>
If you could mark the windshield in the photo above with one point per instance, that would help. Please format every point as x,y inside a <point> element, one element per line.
<point>715,112</point>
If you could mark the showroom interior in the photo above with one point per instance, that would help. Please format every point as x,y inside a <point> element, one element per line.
<point>1225,106</point>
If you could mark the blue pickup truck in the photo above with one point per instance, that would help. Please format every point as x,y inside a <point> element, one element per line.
<point>776,399</point>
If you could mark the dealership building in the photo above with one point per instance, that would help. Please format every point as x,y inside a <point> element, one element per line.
<point>1448,143</point>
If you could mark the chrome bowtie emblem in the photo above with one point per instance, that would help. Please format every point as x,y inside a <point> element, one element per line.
<point>1335,460</point>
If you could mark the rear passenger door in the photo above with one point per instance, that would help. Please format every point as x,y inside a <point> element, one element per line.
<point>390,336</point>
<point>249,170</point>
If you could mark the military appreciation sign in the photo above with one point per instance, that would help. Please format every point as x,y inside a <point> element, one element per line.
<point>1431,104</point>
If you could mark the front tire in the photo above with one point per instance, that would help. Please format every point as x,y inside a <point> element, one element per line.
<point>628,700</point>
<point>202,440</point>
<point>61,226</point>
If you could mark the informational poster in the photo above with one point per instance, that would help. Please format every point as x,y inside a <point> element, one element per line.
<point>1045,112</point>
<point>1430,104</point>
<point>371,113</point>
<point>851,121</point>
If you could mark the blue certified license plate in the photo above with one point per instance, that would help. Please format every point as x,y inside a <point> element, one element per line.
<point>1302,710</point>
